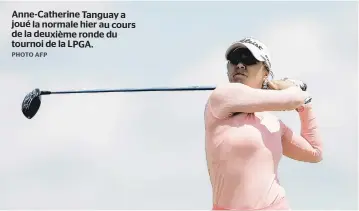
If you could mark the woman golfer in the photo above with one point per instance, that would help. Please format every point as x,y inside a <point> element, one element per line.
<point>244,143</point>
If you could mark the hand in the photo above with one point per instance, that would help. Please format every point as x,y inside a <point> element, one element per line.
<point>286,83</point>
<point>280,84</point>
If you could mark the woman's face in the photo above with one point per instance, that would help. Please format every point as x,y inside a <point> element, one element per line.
<point>244,68</point>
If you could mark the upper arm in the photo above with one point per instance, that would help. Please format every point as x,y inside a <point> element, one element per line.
<point>299,148</point>
<point>236,97</point>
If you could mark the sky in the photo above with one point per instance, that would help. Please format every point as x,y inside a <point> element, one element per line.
<point>146,150</point>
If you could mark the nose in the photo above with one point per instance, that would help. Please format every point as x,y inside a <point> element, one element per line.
<point>241,66</point>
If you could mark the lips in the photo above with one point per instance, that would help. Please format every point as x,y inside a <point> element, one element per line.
<point>239,74</point>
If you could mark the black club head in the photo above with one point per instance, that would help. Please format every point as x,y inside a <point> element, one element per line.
<point>31,103</point>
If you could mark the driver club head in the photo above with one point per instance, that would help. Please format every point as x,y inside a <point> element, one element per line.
<point>31,103</point>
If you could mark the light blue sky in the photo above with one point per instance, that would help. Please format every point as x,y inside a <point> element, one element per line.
<point>146,151</point>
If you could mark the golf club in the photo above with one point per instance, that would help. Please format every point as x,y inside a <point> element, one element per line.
<point>32,101</point>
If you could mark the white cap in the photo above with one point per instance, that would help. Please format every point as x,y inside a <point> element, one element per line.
<point>256,47</point>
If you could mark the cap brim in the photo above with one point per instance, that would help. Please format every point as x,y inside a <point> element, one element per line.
<point>251,48</point>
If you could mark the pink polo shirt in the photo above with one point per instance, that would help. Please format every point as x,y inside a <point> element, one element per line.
<point>243,150</point>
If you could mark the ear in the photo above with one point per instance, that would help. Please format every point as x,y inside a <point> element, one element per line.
<point>265,78</point>
<point>265,70</point>
<point>265,73</point>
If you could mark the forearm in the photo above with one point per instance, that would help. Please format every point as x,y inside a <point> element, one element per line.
<point>309,127</point>
<point>307,146</point>
<point>234,97</point>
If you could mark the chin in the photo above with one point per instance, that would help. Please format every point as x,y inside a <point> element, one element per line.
<point>236,81</point>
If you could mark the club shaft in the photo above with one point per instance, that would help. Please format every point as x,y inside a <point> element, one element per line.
<point>153,89</point>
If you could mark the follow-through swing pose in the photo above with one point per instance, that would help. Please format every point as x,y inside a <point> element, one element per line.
<point>244,142</point>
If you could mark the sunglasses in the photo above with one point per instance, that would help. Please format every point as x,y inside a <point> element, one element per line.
<point>241,55</point>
